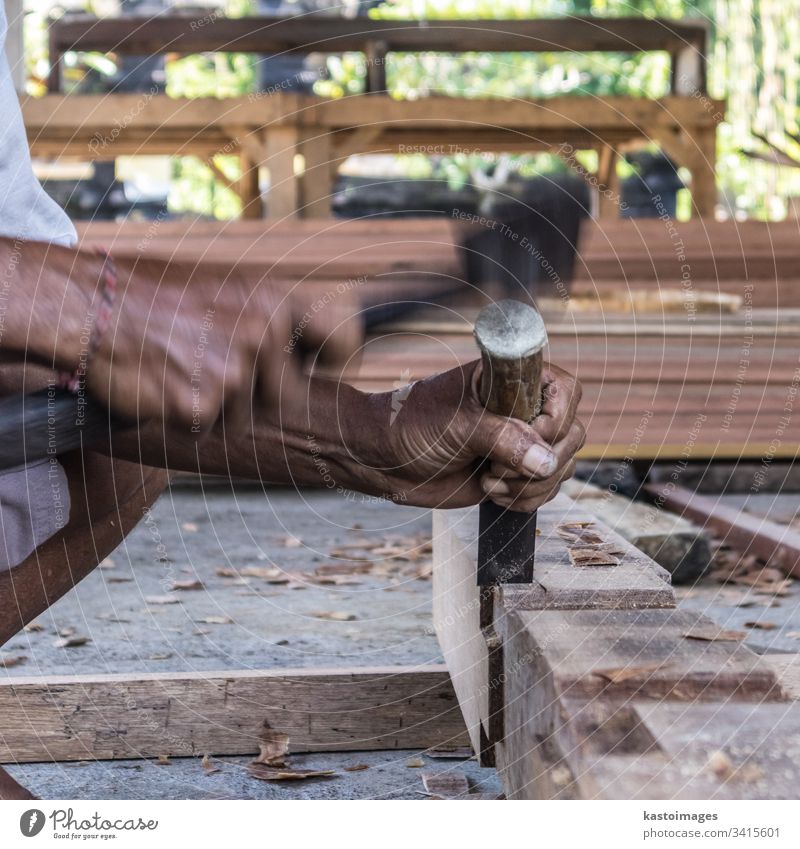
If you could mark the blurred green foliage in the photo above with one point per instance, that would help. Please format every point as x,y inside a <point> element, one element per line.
<point>754,62</point>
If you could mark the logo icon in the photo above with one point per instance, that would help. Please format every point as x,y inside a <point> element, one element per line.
<point>31,822</point>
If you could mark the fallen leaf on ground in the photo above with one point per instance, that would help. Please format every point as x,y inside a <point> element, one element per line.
<point>335,615</point>
<point>761,626</point>
<point>713,634</point>
<point>7,661</point>
<point>215,620</point>
<point>161,599</point>
<point>355,767</point>
<point>271,773</point>
<point>273,747</point>
<point>190,527</point>
<point>626,673</point>
<point>415,763</point>
<point>187,585</point>
<point>208,767</point>
<point>71,642</point>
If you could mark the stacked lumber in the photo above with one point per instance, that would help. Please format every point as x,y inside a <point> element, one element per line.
<point>755,260</point>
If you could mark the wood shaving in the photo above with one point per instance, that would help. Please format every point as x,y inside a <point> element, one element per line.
<point>9,660</point>
<point>34,626</point>
<point>270,773</point>
<point>215,620</point>
<point>590,556</point>
<point>162,599</point>
<point>335,615</point>
<point>273,747</point>
<point>415,763</point>
<point>163,760</point>
<point>626,673</point>
<point>72,642</point>
<point>190,527</point>
<point>761,626</point>
<point>355,768</point>
<point>208,767</point>
<point>188,585</point>
<point>713,634</point>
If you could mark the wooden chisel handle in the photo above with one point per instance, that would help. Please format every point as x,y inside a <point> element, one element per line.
<point>511,336</point>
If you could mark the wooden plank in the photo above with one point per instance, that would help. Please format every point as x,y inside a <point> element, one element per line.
<point>779,545</point>
<point>673,542</point>
<point>636,582</point>
<point>185,714</point>
<point>187,33</point>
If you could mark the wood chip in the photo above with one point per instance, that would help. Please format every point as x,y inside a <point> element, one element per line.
<point>273,747</point>
<point>190,527</point>
<point>270,773</point>
<point>162,599</point>
<point>761,626</point>
<point>108,563</point>
<point>713,634</point>
<point>588,556</point>
<point>163,760</point>
<point>355,767</point>
<point>626,673</point>
<point>72,642</point>
<point>208,767</point>
<point>34,627</point>
<point>118,579</point>
<point>579,532</point>
<point>722,766</point>
<point>793,635</point>
<point>188,585</point>
<point>447,785</point>
<point>215,620</point>
<point>415,763</point>
<point>292,542</point>
<point>9,660</point>
<point>335,615</point>
<point>461,754</point>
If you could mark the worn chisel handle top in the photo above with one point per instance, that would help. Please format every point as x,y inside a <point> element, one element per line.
<point>511,336</point>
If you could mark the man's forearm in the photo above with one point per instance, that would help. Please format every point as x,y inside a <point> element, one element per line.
<point>340,439</point>
<point>44,309</point>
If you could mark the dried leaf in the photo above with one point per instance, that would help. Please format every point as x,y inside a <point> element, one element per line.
<point>761,626</point>
<point>9,660</point>
<point>191,527</point>
<point>335,615</point>
<point>270,773</point>
<point>273,747</point>
<point>415,763</point>
<point>626,673</point>
<point>161,599</point>
<point>71,642</point>
<point>187,585</point>
<point>208,767</point>
<point>713,633</point>
<point>355,767</point>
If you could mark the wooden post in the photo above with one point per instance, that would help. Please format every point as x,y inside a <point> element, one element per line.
<point>608,197</point>
<point>247,187</point>
<point>284,190</point>
<point>704,172</point>
<point>316,179</point>
<point>376,67</point>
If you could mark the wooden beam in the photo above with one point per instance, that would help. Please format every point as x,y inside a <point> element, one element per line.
<point>82,717</point>
<point>777,544</point>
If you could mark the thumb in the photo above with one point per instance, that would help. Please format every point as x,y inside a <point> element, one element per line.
<point>513,444</point>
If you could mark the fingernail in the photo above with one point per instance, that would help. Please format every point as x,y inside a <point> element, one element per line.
<point>539,461</point>
<point>494,486</point>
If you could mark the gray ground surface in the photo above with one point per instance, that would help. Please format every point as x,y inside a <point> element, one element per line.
<point>192,535</point>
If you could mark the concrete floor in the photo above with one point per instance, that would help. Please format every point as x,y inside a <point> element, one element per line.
<point>196,535</point>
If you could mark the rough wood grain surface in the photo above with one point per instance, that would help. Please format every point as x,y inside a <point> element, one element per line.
<point>125,716</point>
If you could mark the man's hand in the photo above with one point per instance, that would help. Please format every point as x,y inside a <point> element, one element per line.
<point>439,433</point>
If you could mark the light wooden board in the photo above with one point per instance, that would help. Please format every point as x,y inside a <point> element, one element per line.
<point>124,716</point>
